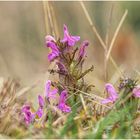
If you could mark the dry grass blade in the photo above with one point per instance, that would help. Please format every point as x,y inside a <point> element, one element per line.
<point>59,120</point>
<point>109,25</point>
<point>50,18</point>
<point>92,25</point>
<point>46,17</point>
<point>93,95</point>
<point>10,107</point>
<point>83,103</point>
<point>55,109</point>
<point>75,104</point>
<point>100,104</point>
<point>116,33</point>
<point>107,41</point>
<point>97,34</point>
<point>55,24</point>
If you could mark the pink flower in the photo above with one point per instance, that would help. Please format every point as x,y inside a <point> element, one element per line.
<point>54,51</point>
<point>82,48</point>
<point>62,105</point>
<point>113,96</point>
<point>28,115</point>
<point>41,105</point>
<point>71,40</point>
<point>136,92</point>
<point>50,93</point>
<point>41,101</point>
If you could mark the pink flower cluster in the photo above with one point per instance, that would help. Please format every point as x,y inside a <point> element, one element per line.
<point>113,95</point>
<point>68,39</point>
<point>29,116</point>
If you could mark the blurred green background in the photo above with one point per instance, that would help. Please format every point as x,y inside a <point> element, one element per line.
<point>22,32</point>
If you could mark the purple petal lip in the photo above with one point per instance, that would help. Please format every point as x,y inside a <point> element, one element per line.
<point>64,108</point>
<point>62,105</point>
<point>48,92</point>
<point>112,94</point>
<point>71,40</point>
<point>54,51</point>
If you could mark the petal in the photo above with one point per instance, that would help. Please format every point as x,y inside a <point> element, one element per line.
<point>63,96</point>
<point>25,108</point>
<point>82,48</point>
<point>41,101</point>
<point>39,112</point>
<point>52,93</point>
<point>66,32</point>
<point>47,87</point>
<point>53,46</point>
<point>136,92</point>
<point>28,117</point>
<point>52,56</point>
<point>75,38</point>
<point>67,109</point>
<point>111,91</point>
<point>49,38</point>
<point>64,108</point>
<point>71,40</point>
<point>55,52</point>
<point>106,101</point>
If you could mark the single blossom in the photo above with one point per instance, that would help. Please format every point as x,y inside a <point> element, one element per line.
<point>71,40</point>
<point>62,102</point>
<point>28,115</point>
<point>136,92</point>
<point>48,92</point>
<point>54,51</point>
<point>41,103</point>
<point>82,51</point>
<point>113,96</point>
